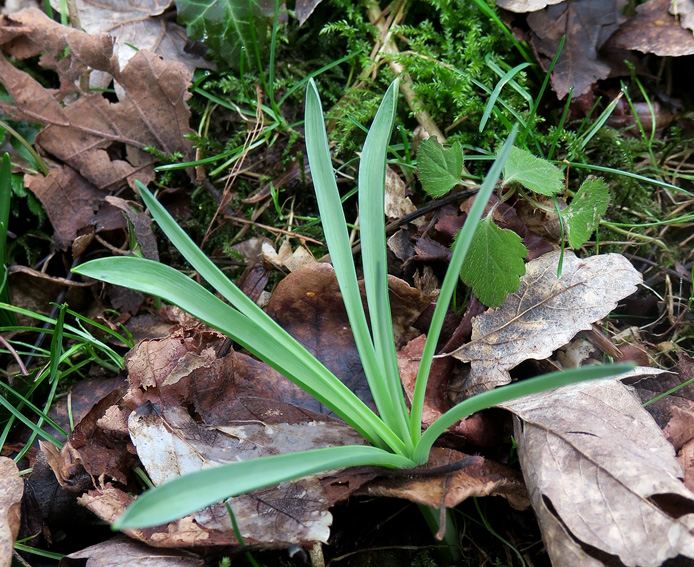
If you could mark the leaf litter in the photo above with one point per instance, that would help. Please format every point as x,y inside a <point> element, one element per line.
<point>544,314</point>
<point>183,374</point>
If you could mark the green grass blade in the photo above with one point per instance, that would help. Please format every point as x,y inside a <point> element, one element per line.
<point>192,492</point>
<point>511,392</point>
<point>451,281</point>
<point>6,318</point>
<point>287,356</point>
<point>372,179</point>
<point>497,91</point>
<point>337,238</point>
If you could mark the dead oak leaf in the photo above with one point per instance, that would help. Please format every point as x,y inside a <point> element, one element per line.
<point>104,141</point>
<point>603,480</point>
<point>544,314</point>
<point>136,26</point>
<point>587,25</point>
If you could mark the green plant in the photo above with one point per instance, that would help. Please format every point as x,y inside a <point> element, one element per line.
<point>395,433</point>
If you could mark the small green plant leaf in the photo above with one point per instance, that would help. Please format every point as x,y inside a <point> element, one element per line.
<point>494,263</point>
<point>533,173</point>
<point>231,28</point>
<point>583,214</point>
<point>439,169</point>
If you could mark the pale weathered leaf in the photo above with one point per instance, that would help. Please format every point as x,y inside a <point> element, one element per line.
<point>120,550</point>
<point>544,314</point>
<point>523,6</point>
<point>603,480</point>
<point>683,10</point>
<point>11,490</point>
<point>169,444</point>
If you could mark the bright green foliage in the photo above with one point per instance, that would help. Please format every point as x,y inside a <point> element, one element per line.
<point>583,215</point>
<point>533,173</point>
<point>231,28</point>
<point>494,263</point>
<point>396,432</point>
<point>439,169</point>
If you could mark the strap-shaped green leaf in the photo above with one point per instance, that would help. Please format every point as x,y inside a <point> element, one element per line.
<point>192,492</point>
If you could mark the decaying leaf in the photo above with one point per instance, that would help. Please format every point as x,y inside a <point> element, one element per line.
<point>120,550</point>
<point>483,478</point>
<point>396,202</point>
<point>308,304</point>
<point>602,479</point>
<point>103,141</point>
<point>304,8</point>
<point>587,25</point>
<point>11,490</point>
<point>169,443</point>
<point>544,314</point>
<point>136,26</point>
<point>654,30</point>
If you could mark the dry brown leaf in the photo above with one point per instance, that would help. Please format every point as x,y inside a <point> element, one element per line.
<point>544,314</point>
<point>139,24</point>
<point>102,140</point>
<point>447,491</point>
<point>587,25</point>
<point>602,479</point>
<point>304,8</point>
<point>11,490</point>
<point>69,200</point>
<point>120,550</point>
<point>308,304</point>
<point>654,30</point>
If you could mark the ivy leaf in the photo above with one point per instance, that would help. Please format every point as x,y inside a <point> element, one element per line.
<point>533,173</point>
<point>494,263</point>
<point>582,216</point>
<point>228,27</point>
<point>439,169</point>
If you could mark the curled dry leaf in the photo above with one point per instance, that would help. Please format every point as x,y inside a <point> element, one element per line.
<point>544,314</point>
<point>11,490</point>
<point>602,479</point>
<point>587,25</point>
